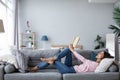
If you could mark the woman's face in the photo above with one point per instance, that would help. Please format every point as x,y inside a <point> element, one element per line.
<point>100,55</point>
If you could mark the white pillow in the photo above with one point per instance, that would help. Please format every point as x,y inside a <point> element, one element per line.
<point>10,59</point>
<point>104,64</point>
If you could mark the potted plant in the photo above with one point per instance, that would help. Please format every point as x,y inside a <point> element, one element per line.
<point>100,43</point>
<point>116,17</point>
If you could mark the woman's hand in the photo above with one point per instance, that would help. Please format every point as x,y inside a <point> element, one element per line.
<point>71,47</point>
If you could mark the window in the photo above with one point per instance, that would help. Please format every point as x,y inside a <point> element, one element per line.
<point>7,8</point>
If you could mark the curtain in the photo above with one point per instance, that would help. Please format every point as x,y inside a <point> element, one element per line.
<point>16,33</point>
<point>7,14</point>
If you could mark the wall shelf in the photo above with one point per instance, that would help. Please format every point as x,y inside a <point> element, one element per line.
<point>28,40</point>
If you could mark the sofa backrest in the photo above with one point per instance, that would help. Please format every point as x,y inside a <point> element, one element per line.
<point>35,55</point>
<point>84,53</point>
<point>88,54</point>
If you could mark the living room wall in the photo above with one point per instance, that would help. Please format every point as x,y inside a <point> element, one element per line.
<point>61,20</point>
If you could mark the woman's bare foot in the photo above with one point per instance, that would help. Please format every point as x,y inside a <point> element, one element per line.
<point>48,60</point>
<point>33,69</point>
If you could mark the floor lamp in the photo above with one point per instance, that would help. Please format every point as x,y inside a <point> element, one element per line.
<point>1,26</point>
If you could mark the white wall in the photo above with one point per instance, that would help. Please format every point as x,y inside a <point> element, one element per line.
<point>61,20</point>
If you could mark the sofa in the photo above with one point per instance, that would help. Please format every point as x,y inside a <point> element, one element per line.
<point>51,73</point>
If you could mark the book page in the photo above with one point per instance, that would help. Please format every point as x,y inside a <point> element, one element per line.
<point>75,41</point>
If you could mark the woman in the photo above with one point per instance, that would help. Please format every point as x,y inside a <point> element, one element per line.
<point>86,66</point>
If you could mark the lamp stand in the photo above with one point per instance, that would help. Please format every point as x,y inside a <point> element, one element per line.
<point>43,44</point>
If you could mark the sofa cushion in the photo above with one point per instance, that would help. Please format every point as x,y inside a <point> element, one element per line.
<point>99,50</point>
<point>85,53</point>
<point>92,76</point>
<point>113,68</point>
<point>88,54</point>
<point>93,56</point>
<point>22,59</point>
<point>9,68</point>
<point>1,72</point>
<point>34,76</point>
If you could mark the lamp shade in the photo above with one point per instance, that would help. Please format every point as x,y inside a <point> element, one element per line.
<point>1,26</point>
<point>44,38</point>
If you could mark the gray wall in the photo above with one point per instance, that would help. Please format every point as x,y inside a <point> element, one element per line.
<point>61,20</point>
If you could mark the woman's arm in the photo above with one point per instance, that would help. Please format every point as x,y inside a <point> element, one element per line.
<point>77,55</point>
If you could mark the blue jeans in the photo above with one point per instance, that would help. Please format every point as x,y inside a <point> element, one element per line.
<point>63,68</point>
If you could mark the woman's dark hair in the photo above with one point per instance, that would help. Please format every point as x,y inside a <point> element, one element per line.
<point>107,55</point>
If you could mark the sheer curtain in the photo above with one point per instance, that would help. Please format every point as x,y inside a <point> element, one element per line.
<point>7,14</point>
<point>16,37</point>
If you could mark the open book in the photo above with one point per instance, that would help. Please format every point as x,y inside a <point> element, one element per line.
<point>75,41</point>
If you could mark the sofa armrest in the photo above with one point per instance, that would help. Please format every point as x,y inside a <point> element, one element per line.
<point>1,72</point>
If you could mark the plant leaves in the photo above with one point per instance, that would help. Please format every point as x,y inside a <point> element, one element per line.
<point>100,43</point>
<point>115,29</point>
<point>98,38</point>
<point>97,47</point>
<point>116,15</point>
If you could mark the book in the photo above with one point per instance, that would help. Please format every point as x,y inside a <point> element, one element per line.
<point>75,41</point>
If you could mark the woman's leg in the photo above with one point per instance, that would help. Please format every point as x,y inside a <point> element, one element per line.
<point>68,56</point>
<point>65,53</point>
<point>68,60</point>
<point>63,68</point>
<point>41,65</point>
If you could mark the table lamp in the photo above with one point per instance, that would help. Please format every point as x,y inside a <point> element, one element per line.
<point>1,26</point>
<point>44,38</point>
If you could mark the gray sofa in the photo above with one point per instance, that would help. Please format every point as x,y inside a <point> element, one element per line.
<point>51,73</point>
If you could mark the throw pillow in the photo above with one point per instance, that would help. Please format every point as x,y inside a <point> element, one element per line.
<point>104,64</point>
<point>9,68</point>
<point>93,56</point>
<point>10,59</point>
<point>22,61</point>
